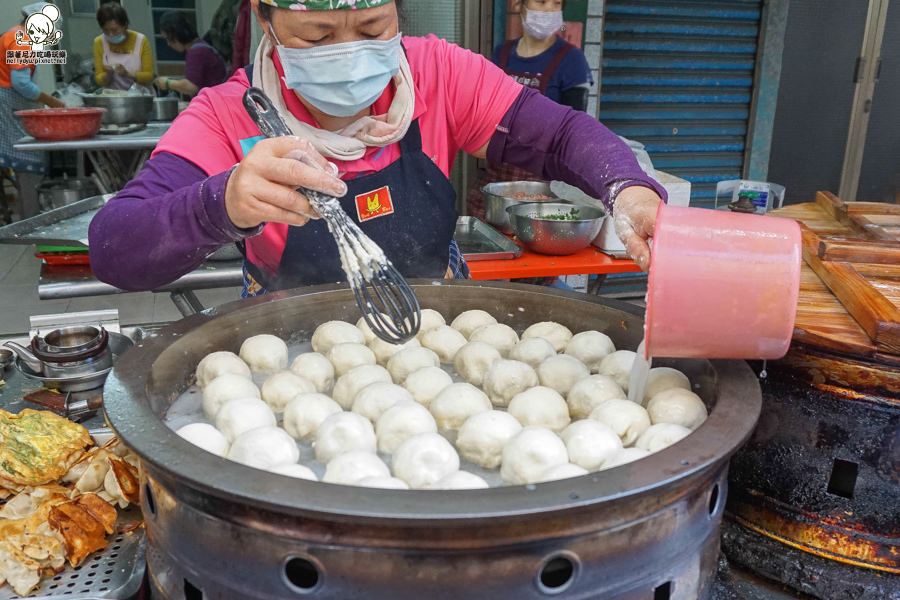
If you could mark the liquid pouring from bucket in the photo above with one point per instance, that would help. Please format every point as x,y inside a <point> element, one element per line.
<point>721,285</point>
<point>388,303</point>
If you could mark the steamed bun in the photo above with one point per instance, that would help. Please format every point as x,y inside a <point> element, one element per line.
<point>661,379</point>
<point>218,363</point>
<point>553,332</point>
<point>264,353</point>
<point>506,378</point>
<point>679,406</point>
<point>225,387</point>
<point>473,359</point>
<point>590,347</point>
<point>281,387</point>
<point>426,383</point>
<point>264,448</point>
<point>590,392</point>
<point>315,368</point>
<point>499,335</point>
<point>468,321</point>
<point>482,437</point>
<point>331,333</point>
<point>530,453</point>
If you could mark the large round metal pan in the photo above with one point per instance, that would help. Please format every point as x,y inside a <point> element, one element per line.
<point>203,509</point>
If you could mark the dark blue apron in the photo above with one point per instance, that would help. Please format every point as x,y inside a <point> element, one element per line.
<point>416,236</point>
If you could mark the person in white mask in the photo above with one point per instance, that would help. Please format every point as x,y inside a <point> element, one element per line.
<point>122,57</point>
<point>378,119</point>
<point>543,60</point>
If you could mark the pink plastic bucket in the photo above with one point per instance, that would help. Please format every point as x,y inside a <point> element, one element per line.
<point>722,284</point>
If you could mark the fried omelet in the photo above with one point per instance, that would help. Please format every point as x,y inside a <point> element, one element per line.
<point>38,447</point>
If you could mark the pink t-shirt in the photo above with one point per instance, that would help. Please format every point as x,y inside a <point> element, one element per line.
<point>460,99</point>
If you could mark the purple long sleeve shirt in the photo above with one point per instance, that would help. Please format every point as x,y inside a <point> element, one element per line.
<point>172,216</point>
<point>560,143</point>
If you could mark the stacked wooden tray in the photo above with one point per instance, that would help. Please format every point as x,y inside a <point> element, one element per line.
<point>850,287</point>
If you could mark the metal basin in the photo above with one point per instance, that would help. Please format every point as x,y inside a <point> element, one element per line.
<point>121,110</point>
<point>622,533</point>
<point>499,196</point>
<point>539,232</point>
<point>165,109</point>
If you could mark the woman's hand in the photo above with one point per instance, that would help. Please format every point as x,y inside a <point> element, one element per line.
<point>122,71</point>
<point>634,214</point>
<point>161,83</point>
<point>263,186</point>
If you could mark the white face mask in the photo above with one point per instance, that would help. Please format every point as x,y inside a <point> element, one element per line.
<point>540,24</point>
<point>341,79</point>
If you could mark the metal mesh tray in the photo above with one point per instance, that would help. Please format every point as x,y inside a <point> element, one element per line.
<point>115,573</point>
<point>479,241</point>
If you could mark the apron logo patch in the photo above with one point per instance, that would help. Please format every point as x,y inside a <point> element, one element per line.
<point>374,204</point>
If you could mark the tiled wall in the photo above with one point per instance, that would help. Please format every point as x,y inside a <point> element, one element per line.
<point>593,43</point>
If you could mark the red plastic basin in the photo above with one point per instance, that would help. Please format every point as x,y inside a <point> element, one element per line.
<point>56,124</point>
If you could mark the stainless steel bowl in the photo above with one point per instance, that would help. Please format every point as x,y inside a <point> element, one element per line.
<point>500,195</point>
<point>552,236</point>
<point>121,110</point>
<point>165,109</point>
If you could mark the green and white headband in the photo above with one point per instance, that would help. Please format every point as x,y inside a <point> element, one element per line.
<point>325,4</point>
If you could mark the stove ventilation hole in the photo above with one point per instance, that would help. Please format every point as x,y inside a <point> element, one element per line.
<point>557,574</point>
<point>301,573</point>
<point>843,478</point>
<point>151,503</point>
<point>663,592</point>
<point>191,592</point>
<point>713,499</point>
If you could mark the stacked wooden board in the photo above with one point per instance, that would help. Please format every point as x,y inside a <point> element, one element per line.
<point>850,286</point>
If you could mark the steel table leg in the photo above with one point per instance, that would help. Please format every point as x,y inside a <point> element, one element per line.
<point>186,302</point>
<point>595,284</point>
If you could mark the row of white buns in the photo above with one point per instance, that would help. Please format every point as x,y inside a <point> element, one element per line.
<point>371,392</point>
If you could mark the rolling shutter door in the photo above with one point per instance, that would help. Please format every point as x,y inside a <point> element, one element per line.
<point>678,77</point>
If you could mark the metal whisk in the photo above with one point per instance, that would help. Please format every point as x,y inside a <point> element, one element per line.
<point>386,300</point>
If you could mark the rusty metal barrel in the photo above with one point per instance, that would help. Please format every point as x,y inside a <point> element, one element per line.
<point>814,498</point>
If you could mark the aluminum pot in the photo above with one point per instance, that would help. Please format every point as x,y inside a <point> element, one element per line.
<point>498,197</point>
<point>61,192</point>
<point>164,109</point>
<point>67,352</point>
<point>121,110</point>
<point>646,529</point>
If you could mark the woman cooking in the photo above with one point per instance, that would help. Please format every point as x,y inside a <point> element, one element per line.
<point>18,91</point>
<point>203,65</point>
<point>542,60</point>
<point>121,57</point>
<point>377,121</point>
